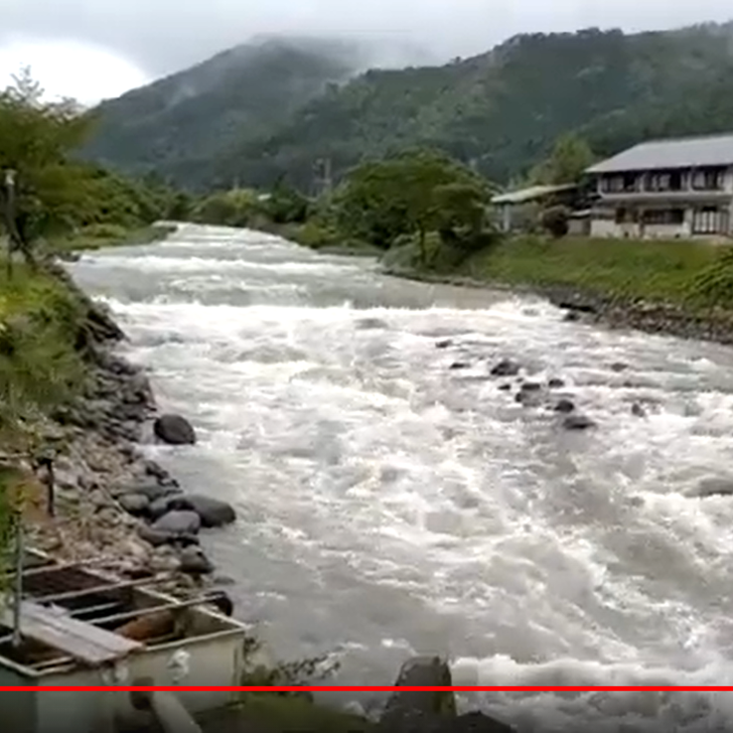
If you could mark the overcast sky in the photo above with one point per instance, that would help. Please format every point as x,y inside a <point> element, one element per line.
<point>99,48</point>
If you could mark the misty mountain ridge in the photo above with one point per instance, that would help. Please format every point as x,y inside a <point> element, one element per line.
<point>276,105</point>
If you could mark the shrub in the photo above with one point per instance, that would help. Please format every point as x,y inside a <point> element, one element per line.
<point>556,221</point>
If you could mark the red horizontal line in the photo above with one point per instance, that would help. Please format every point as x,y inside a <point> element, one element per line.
<point>364,688</point>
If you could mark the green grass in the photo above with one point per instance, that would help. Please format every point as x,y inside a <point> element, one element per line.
<point>654,271</point>
<point>39,322</point>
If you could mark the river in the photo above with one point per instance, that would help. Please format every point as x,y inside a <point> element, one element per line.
<point>390,505</point>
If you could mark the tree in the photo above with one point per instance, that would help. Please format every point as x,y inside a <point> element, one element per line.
<point>409,194</point>
<point>556,221</point>
<point>36,138</point>
<point>569,159</point>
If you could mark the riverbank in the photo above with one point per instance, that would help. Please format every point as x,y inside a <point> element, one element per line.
<point>647,286</point>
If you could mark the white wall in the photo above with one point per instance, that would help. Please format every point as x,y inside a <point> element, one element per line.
<point>212,662</point>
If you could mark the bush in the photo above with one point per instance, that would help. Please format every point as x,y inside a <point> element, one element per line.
<point>556,221</point>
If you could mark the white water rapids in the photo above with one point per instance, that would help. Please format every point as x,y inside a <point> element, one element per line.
<point>390,506</point>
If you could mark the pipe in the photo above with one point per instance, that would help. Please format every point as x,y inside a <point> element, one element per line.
<point>165,707</point>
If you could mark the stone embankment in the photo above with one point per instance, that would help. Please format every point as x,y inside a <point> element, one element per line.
<point>113,505</point>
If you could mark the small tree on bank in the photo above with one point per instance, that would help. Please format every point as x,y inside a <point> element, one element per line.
<point>410,194</point>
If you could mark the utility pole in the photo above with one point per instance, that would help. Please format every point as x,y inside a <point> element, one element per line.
<point>323,179</point>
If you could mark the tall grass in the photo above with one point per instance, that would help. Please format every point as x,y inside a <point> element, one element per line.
<point>650,270</point>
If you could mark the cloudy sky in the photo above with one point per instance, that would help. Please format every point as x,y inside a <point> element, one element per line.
<point>92,49</point>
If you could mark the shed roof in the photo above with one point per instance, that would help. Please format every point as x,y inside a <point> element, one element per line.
<point>530,194</point>
<point>689,152</point>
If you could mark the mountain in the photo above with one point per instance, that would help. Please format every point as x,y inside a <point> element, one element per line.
<point>177,126</point>
<point>500,112</point>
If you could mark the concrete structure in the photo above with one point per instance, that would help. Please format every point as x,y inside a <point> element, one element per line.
<point>69,624</point>
<point>666,189</point>
<point>518,209</point>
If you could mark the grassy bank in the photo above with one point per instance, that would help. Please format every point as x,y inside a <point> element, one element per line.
<point>672,272</point>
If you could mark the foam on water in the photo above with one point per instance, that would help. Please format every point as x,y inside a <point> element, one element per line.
<point>401,506</point>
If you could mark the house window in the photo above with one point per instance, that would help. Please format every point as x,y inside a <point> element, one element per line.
<point>710,220</point>
<point>672,217</point>
<point>619,183</point>
<point>708,179</point>
<point>664,181</point>
<point>620,216</point>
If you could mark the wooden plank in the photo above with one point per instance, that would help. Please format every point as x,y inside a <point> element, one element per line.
<point>81,641</point>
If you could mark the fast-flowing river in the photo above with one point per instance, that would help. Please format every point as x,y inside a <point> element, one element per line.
<point>390,505</point>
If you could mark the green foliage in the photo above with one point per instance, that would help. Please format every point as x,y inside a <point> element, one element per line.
<point>651,270</point>
<point>235,208</point>
<point>179,125</point>
<point>285,205</point>
<point>556,220</point>
<point>38,365</point>
<point>713,286</point>
<point>569,159</point>
<point>57,197</point>
<point>411,193</point>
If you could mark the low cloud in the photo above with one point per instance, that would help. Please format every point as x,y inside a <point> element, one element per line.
<point>162,36</point>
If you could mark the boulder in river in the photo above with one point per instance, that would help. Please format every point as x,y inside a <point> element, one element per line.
<point>637,410</point>
<point>150,489</point>
<point>135,504</point>
<point>213,513</point>
<point>715,487</point>
<point>174,430</point>
<point>565,407</point>
<point>531,387</point>
<point>158,538</point>
<point>445,344</point>
<point>195,562</point>
<point>506,368</point>
<point>578,423</point>
<point>556,383</point>
<point>178,522</point>
<point>459,365</point>
<point>417,711</point>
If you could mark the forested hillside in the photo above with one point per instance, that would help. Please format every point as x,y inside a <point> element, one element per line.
<point>500,112</point>
<point>177,126</point>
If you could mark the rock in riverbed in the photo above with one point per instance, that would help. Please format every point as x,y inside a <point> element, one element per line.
<point>135,504</point>
<point>212,512</point>
<point>178,522</point>
<point>565,407</point>
<point>195,562</point>
<point>578,423</point>
<point>158,538</point>
<point>506,368</point>
<point>174,430</point>
<point>433,711</point>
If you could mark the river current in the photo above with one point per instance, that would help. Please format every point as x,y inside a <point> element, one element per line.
<point>391,506</point>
